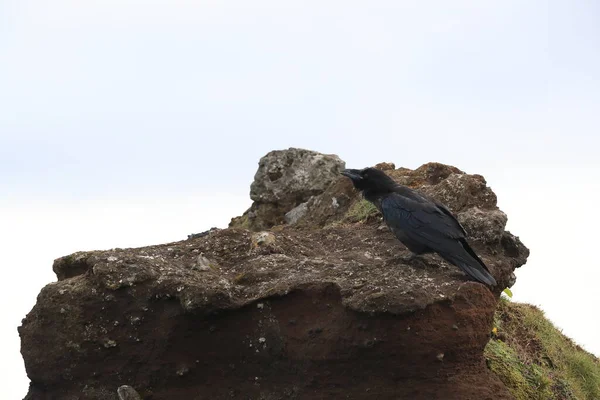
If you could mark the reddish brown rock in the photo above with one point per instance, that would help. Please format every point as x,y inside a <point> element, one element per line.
<point>321,309</point>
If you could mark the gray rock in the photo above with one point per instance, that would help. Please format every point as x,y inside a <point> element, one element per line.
<point>262,239</point>
<point>126,392</point>
<point>483,226</point>
<point>202,234</point>
<point>289,177</point>
<point>512,280</point>
<point>292,216</point>
<point>202,263</point>
<point>285,179</point>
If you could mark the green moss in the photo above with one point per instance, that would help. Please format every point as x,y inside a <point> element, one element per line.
<point>241,222</point>
<point>536,361</point>
<point>360,211</point>
<point>580,368</point>
<point>524,381</point>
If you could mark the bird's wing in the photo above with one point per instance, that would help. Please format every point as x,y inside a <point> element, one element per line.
<point>423,222</point>
<point>446,211</point>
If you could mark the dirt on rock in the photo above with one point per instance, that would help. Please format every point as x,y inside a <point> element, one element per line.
<point>319,309</point>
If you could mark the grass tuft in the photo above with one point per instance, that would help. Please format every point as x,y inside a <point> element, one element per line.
<point>360,211</point>
<point>536,361</point>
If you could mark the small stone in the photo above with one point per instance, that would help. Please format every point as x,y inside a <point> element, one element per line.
<point>126,392</point>
<point>202,234</point>
<point>112,259</point>
<point>202,263</point>
<point>386,166</point>
<point>108,343</point>
<point>440,356</point>
<point>263,239</point>
<point>182,370</point>
<point>455,327</point>
<point>262,340</point>
<point>260,306</point>
<point>296,213</point>
<point>512,280</point>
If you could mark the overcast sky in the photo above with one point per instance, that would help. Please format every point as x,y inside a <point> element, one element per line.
<point>128,123</point>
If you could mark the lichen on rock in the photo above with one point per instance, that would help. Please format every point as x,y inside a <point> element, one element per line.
<point>286,179</point>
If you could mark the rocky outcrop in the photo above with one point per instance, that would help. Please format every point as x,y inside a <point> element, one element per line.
<point>284,182</point>
<point>323,306</point>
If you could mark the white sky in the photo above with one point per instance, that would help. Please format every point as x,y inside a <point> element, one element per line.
<point>129,123</point>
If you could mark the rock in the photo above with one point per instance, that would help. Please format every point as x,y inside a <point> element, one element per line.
<point>202,263</point>
<point>263,239</point>
<point>386,166</point>
<point>330,206</point>
<point>126,392</point>
<point>292,176</point>
<point>202,234</point>
<point>285,179</point>
<point>466,195</point>
<point>511,280</point>
<point>292,216</point>
<point>483,226</point>
<point>461,191</point>
<point>324,309</point>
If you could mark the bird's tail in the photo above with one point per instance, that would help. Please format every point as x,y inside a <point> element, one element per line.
<point>472,266</point>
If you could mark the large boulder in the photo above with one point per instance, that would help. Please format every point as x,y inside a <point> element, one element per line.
<point>326,307</point>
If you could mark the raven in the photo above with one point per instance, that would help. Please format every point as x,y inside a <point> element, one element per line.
<point>421,224</point>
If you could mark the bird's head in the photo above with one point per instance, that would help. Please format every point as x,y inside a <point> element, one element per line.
<point>370,179</point>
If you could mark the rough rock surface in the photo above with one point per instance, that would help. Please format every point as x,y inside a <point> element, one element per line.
<point>126,392</point>
<point>285,179</point>
<point>318,310</point>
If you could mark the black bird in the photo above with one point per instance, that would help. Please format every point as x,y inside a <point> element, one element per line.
<point>421,224</point>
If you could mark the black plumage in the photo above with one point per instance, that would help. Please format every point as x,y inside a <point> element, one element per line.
<point>420,223</point>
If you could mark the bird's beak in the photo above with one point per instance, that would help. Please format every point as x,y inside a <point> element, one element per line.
<point>353,174</point>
